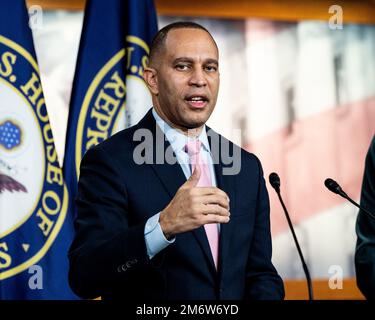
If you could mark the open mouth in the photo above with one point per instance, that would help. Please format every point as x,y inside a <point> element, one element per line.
<point>197,101</point>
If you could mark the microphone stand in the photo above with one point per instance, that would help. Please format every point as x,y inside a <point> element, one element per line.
<point>275,183</point>
<point>358,206</point>
<point>304,266</point>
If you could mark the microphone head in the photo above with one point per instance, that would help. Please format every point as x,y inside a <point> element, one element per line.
<point>274,181</point>
<point>333,186</point>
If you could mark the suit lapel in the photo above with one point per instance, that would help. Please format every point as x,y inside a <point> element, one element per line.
<point>169,173</point>
<point>201,237</point>
<point>225,183</point>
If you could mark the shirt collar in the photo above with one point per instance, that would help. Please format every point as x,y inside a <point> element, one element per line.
<point>177,139</point>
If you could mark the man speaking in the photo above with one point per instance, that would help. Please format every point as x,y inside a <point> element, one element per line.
<point>169,218</point>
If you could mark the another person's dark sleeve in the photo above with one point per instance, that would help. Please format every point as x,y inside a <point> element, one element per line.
<point>365,228</point>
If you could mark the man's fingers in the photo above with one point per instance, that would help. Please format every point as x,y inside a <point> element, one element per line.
<point>202,191</point>
<point>214,218</point>
<point>215,209</point>
<point>214,199</point>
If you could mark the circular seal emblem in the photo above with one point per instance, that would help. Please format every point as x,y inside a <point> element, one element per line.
<point>33,196</point>
<point>103,110</point>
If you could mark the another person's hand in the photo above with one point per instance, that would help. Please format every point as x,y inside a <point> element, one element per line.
<point>193,207</point>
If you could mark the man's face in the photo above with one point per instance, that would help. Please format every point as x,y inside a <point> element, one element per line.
<point>186,78</point>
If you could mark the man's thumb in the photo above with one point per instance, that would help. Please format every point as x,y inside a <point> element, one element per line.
<point>194,178</point>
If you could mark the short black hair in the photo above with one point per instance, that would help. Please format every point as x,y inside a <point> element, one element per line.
<point>158,41</point>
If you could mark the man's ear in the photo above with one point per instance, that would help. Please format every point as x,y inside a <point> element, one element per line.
<point>150,77</point>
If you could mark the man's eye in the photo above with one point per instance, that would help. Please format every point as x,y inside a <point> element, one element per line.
<point>181,67</point>
<point>211,68</point>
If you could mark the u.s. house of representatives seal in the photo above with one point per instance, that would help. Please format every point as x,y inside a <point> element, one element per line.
<point>33,196</point>
<point>103,111</point>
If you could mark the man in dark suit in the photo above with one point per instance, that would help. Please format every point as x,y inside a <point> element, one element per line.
<point>149,228</point>
<point>365,228</point>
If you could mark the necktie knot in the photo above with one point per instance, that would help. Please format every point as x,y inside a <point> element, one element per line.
<point>193,147</point>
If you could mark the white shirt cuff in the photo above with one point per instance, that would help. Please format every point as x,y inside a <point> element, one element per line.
<point>154,237</point>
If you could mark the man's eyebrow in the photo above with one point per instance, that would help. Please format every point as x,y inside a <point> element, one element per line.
<point>211,61</point>
<point>183,59</point>
<point>190,60</point>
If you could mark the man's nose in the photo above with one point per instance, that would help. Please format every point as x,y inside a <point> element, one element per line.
<point>198,78</point>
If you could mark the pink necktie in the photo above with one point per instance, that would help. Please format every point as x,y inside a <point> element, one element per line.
<point>212,232</point>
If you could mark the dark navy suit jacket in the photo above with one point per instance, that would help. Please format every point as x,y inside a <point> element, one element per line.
<point>116,196</point>
<point>365,228</point>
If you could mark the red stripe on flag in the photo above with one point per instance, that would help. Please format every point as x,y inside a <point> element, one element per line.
<point>330,144</point>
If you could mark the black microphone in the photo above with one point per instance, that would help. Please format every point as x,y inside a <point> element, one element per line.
<point>275,183</point>
<point>334,187</point>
